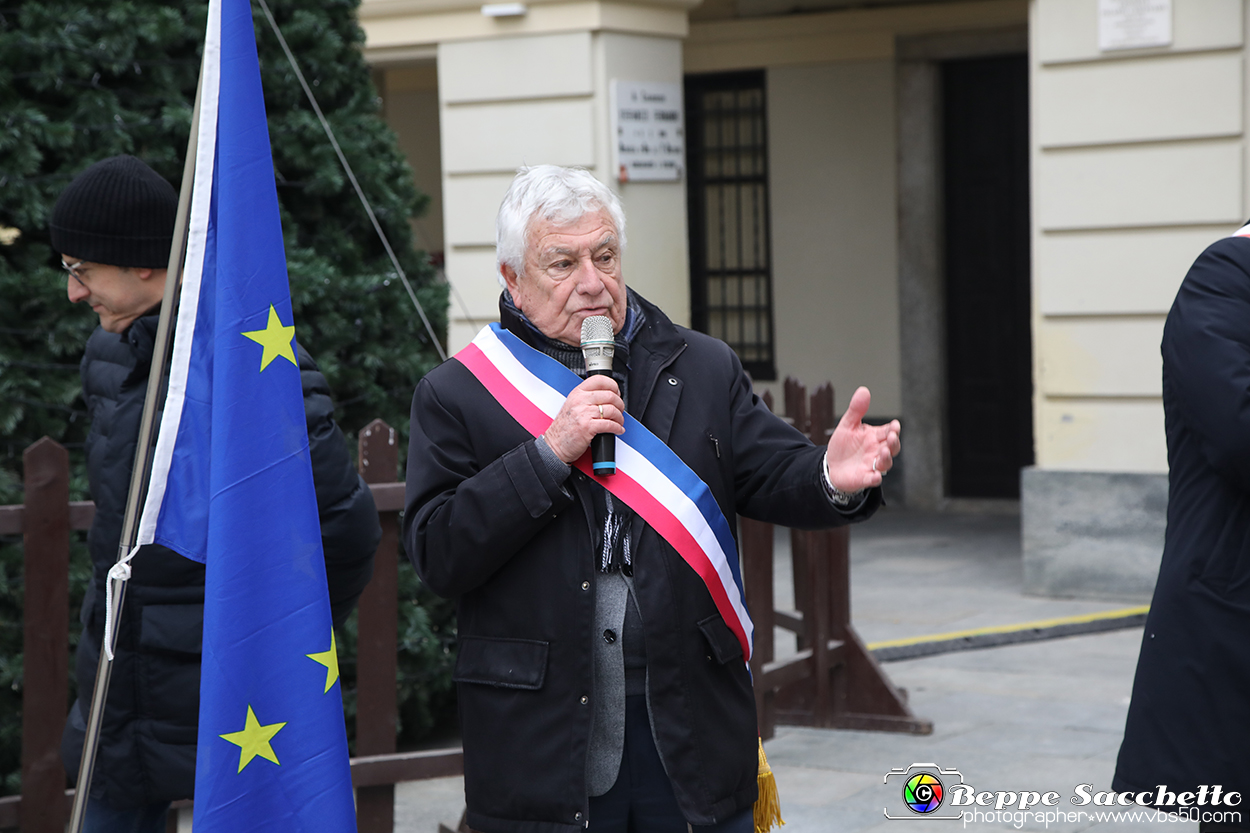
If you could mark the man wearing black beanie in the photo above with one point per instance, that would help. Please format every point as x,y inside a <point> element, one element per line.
<point>113,227</point>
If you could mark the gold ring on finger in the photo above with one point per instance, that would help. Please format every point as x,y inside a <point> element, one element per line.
<point>600,412</point>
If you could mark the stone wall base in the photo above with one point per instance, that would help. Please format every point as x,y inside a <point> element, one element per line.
<point>1092,534</point>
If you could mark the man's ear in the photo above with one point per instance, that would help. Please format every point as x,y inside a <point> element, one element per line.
<point>152,281</point>
<point>510,278</point>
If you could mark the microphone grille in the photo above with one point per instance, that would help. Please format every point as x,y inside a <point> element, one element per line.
<point>597,328</point>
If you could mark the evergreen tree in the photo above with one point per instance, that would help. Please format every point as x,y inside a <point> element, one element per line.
<point>81,81</point>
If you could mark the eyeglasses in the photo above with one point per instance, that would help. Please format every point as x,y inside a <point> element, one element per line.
<point>73,268</point>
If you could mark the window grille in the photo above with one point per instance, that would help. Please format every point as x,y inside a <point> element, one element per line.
<point>727,203</point>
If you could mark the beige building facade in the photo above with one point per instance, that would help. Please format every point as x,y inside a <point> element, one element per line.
<point>981,210</point>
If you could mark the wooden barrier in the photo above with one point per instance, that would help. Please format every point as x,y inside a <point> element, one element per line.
<point>45,521</point>
<point>45,648</point>
<point>377,705</point>
<point>832,681</point>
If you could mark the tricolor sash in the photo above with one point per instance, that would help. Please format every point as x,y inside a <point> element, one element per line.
<point>650,478</point>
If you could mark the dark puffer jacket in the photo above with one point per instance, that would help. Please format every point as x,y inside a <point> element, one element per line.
<point>147,743</point>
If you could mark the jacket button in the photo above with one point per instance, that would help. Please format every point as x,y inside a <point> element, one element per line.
<point>672,381</point>
<point>585,585</point>
<point>577,816</point>
<point>609,636</point>
<point>585,699</point>
<point>709,657</point>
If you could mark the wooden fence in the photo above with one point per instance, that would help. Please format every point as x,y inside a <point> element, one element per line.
<point>44,521</point>
<point>832,681</point>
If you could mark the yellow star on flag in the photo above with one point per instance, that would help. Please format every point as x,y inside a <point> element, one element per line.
<point>330,659</point>
<point>276,339</point>
<point>254,740</point>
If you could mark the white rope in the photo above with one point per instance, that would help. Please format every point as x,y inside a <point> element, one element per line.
<point>120,573</point>
<point>347,168</point>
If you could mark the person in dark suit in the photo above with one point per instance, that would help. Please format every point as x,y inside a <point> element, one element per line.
<point>1187,729</point>
<point>600,684</point>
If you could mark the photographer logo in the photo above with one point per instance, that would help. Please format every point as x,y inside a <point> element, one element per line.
<point>924,789</point>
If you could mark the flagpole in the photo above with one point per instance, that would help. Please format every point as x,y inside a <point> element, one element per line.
<point>139,475</point>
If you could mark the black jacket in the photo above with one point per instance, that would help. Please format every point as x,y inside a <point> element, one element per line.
<point>1187,719</point>
<point>147,743</point>
<point>486,521</point>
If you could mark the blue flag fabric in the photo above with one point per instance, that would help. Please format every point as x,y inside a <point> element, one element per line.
<point>232,482</point>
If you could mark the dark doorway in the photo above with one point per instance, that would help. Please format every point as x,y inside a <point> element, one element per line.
<point>989,370</point>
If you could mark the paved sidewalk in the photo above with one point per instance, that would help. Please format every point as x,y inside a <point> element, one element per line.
<point>1032,717</point>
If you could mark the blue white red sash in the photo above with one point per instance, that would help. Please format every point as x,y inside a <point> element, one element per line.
<point>650,478</point>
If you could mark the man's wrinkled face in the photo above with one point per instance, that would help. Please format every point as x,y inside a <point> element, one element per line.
<point>117,294</point>
<point>571,273</point>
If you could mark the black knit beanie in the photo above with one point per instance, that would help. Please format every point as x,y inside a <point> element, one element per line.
<point>118,212</point>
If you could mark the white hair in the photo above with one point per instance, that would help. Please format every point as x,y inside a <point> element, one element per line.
<point>559,195</point>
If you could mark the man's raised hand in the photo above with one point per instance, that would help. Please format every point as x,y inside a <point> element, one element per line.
<point>859,455</point>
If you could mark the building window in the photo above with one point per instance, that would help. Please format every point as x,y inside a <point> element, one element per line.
<point>727,199</point>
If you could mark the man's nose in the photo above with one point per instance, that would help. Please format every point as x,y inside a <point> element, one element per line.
<point>589,281</point>
<point>75,290</point>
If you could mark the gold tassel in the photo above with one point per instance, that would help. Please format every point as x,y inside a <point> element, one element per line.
<point>768,805</point>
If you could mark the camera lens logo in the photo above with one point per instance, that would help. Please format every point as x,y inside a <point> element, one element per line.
<point>923,793</point>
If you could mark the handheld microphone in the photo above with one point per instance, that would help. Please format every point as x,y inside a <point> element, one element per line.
<point>598,347</point>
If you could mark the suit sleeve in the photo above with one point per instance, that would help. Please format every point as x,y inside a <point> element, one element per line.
<point>466,515</point>
<point>1206,356</point>
<point>350,530</point>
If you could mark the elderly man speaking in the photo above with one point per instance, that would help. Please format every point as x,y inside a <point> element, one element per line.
<point>602,673</point>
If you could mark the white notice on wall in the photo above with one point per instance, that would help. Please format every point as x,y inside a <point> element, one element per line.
<point>649,128</point>
<point>1134,24</point>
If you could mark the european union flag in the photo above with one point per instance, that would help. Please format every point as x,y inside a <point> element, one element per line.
<point>232,481</point>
